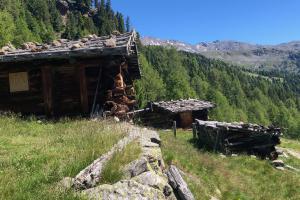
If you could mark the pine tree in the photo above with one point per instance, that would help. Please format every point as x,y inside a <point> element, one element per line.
<point>121,25</point>
<point>96,4</point>
<point>7,28</point>
<point>128,25</point>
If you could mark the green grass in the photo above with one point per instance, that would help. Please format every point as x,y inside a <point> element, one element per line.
<point>239,177</point>
<point>112,172</point>
<point>292,144</point>
<point>35,156</point>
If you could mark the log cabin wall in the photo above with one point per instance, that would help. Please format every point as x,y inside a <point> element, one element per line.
<point>22,101</point>
<point>59,88</point>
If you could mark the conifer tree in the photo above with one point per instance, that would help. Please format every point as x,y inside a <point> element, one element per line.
<point>128,25</point>
<point>7,28</point>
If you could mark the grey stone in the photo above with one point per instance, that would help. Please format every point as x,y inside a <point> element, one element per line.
<point>156,181</point>
<point>66,183</point>
<point>127,189</point>
<point>136,168</point>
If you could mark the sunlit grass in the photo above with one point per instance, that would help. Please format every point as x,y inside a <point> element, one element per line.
<point>239,177</point>
<point>113,171</point>
<point>34,156</point>
<point>293,144</point>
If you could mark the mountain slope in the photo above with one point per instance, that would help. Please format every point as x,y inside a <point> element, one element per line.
<point>45,20</point>
<point>283,57</point>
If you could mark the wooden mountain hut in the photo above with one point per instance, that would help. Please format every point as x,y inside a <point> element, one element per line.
<point>239,137</point>
<point>70,77</point>
<point>184,112</point>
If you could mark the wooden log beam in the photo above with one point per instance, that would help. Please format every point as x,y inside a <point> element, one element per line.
<point>47,90</point>
<point>178,184</point>
<point>83,89</point>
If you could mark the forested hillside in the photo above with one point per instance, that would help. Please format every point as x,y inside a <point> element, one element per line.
<point>240,96</point>
<point>44,20</point>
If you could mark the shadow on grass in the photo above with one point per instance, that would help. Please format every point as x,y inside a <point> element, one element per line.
<point>201,146</point>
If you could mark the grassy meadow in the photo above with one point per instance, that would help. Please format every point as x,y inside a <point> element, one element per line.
<point>35,156</point>
<point>230,178</point>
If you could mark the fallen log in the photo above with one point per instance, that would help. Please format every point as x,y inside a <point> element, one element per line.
<point>178,184</point>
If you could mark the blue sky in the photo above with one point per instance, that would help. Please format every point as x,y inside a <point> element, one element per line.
<point>254,21</point>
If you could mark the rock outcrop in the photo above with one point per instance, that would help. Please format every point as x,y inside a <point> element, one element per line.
<point>144,178</point>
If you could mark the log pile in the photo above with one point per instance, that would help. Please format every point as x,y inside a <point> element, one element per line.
<point>231,138</point>
<point>120,100</point>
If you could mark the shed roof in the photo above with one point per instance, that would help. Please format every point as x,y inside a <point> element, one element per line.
<point>89,47</point>
<point>179,106</point>
<point>238,127</point>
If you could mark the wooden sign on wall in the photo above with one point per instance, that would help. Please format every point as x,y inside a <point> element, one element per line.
<point>18,82</point>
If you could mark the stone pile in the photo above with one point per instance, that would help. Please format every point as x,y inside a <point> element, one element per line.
<point>145,178</point>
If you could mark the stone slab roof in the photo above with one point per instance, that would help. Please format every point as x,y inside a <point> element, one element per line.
<point>121,44</point>
<point>179,106</point>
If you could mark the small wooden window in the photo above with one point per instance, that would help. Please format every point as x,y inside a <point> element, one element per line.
<point>18,82</point>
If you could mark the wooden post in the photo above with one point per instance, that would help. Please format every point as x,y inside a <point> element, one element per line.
<point>47,90</point>
<point>83,90</point>
<point>194,130</point>
<point>174,128</point>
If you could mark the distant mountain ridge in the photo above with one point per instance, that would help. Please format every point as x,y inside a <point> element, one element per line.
<point>285,56</point>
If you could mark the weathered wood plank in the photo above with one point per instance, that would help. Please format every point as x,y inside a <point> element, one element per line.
<point>178,184</point>
<point>83,90</point>
<point>47,89</point>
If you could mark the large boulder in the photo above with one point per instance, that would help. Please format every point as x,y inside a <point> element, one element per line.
<point>127,189</point>
<point>156,181</point>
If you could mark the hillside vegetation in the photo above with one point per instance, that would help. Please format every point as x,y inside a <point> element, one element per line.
<point>44,20</point>
<point>169,74</point>
<point>243,177</point>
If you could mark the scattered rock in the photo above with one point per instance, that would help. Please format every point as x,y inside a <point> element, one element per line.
<point>62,41</point>
<point>77,46</point>
<point>115,32</point>
<point>45,47</point>
<point>234,155</point>
<point>222,155</point>
<point>111,43</point>
<point>278,163</point>
<point>90,37</point>
<point>218,192</point>
<point>56,43</point>
<point>84,40</point>
<point>116,119</point>
<point>66,183</point>
<point>28,46</point>
<point>2,52</point>
<point>213,198</point>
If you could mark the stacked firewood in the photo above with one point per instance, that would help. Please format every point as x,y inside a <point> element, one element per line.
<point>231,138</point>
<point>121,99</point>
